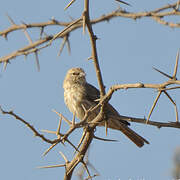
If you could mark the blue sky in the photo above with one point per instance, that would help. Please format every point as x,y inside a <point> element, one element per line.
<point>127,51</point>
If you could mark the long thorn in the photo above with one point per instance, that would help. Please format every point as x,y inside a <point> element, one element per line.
<point>123,2</point>
<point>10,20</point>
<point>48,131</point>
<point>31,42</point>
<point>72,145</point>
<point>102,139</point>
<point>87,170</point>
<point>106,127</point>
<point>171,88</point>
<point>64,157</point>
<point>51,147</point>
<point>176,66</point>
<point>62,46</point>
<point>69,4</point>
<point>170,77</point>
<point>65,29</point>
<point>60,115</point>
<point>169,97</point>
<point>177,116</point>
<point>27,36</point>
<point>52,166</point>
<point>84,23</point>
<point>74,117</point>
<point>81,140</point>
<point>176,111</point>
<point>153,106</point>
<point>5,65</point>
<point>59,126</point>
<point>68,46</point>
<point>37,60</point>
<point>91,177</point>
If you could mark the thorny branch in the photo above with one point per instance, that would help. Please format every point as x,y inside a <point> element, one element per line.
<point>93,39</point>
<point>88,133</point>
<point>34,47</point>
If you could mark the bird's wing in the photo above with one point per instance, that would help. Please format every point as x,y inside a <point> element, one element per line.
<point>115,120</point>
<point>93,93</point>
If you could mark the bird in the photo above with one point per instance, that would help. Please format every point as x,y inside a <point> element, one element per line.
<point>80,96</point>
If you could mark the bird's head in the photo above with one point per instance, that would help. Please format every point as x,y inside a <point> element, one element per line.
<point>75,76</point>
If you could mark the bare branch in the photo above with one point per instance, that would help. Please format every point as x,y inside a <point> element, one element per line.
<point>36,133</point>
<point>89,127</point>
<point>93,39</point>
<point>156,15</point>
<point>26,50</point>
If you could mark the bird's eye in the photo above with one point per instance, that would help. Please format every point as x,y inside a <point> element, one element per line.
<point>75,73</point>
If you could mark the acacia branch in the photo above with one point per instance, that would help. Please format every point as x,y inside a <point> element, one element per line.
<point>36,133</point>
<point>89,131</point>
<point>84,21</point>
<point>104,17</point>
<point>157,15</point>
<point>93,39</point>
<point>89,135</point>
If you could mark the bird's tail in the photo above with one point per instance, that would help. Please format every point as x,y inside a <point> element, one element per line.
<point>132,135</point>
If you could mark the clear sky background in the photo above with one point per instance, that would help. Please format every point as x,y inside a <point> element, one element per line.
<point>127,51</point>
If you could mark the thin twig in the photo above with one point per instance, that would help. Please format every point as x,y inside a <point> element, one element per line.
<point>156,14</point>
<point>36,133</point>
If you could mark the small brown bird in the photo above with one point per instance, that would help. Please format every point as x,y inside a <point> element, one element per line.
<point>78,94</point>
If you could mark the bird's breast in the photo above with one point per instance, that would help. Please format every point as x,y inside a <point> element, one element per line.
<point>73,98</point>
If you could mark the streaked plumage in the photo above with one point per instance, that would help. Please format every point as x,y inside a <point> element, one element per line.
<point>78,92</point>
